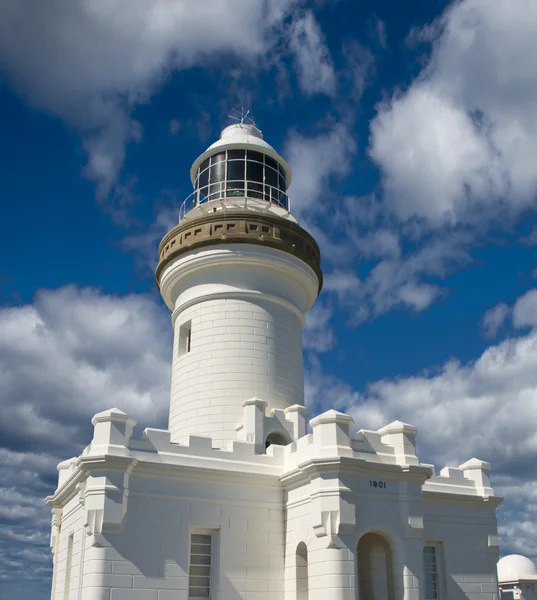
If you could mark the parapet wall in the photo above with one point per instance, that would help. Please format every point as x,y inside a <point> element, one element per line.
<point>394,445</point>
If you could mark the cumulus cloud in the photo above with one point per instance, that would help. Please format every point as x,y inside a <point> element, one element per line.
<point>525,310</point>
<point>409,281</point>
<point>318,333</point>
<point>70,354</point>
<point>461,138</point>
<point>64,357</point>
<point>88,63</point>
<point>494,318</point>
<point>315,160</point>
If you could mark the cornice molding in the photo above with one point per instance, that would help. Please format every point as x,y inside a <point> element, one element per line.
<point>239,227</point>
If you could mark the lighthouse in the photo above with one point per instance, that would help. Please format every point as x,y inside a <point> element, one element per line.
<point>246,496</point>
<point>238,274</point>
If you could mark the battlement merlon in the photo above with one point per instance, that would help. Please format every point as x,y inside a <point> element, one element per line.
<point>113,451</point>
<point>472,478</point>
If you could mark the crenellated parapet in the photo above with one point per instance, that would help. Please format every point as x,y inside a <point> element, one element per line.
<point>330,465</point>
<point>472,478</point>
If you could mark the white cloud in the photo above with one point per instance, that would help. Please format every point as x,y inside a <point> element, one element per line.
<point>314,65</point>
<point>144,244</point>
<point>494,318</point>
<point>341,282</point>
<point>76,352</point>
<point>525,310</point>
<point>318,334</point>
<point>314,160</point>
<point>381,243</point>
<point>408,281</point>
<point>360,67</point>
<point>430,154</point>
<point>89,63</point>
<point>461,138</point>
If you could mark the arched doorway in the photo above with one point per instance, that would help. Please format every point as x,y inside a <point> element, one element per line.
<point>302,586</point>
<point>375,568</point>
<point>276,439</point>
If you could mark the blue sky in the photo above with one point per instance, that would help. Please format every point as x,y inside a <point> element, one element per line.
<point>411,131</point>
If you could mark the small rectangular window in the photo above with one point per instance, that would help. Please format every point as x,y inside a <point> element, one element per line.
<point>200,574</point>
<point>430,569</point>
<point>185,338</point>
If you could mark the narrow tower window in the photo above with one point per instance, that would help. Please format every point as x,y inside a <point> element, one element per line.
<point>430,569</point>
<point>200,576</point>
<point>185,338</point>
<point>302,572</point>
<point>68,561</point>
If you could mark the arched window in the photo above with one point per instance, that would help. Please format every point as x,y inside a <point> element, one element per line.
<point>276,439</point>
<point>301,572</point>
<point>375,568</point>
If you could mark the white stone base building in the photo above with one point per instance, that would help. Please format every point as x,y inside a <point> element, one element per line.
<point>241,499</point>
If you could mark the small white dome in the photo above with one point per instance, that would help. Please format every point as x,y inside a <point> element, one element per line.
<point>243,134</point>
<point>516,567</point>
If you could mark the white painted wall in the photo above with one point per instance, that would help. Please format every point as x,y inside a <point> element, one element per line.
<point>66,582</point>
<point>240,348</point>
<point>149,559</point>
<point>245,305</point>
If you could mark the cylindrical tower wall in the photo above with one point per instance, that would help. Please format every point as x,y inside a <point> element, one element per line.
<point>238,313</point>
<point>228,350</point>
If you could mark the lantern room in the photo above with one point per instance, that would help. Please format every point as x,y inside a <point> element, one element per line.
<point>240,166</point>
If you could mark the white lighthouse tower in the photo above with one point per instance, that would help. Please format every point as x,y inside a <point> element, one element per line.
<point>238,274</point>
<point>241,498</point>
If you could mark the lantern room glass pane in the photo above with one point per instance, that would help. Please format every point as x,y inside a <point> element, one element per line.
<point>215,191</point>
<point>233,154</point>
<point>255,190</point>
<point>218,172</point>
<point>220,157</point>
<point>235,170</point>
<point>203,178</point>
<point>271,177</point>
<point>235,188</point>
<point>271,162</point>
<point>253,155</point>
<point>254,171</point>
